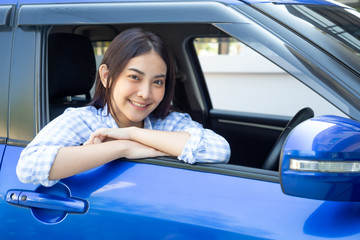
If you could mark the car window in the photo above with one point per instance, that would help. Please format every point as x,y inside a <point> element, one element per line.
<point>252,83</point>
<point>100,48</point>
<point>5,51</point>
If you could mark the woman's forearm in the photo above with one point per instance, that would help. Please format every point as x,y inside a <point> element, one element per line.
<point>172,143</point>
<point>73,160</point>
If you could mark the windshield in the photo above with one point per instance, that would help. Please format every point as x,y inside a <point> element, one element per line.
<point>340,23</point>
<point>335,29</point>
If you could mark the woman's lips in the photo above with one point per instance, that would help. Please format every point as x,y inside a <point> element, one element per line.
<point>139,104</point>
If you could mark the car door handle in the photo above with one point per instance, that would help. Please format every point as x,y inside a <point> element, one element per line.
<point>46,201</point>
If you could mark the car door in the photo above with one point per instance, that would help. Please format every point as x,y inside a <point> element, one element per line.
<point>148,198</point>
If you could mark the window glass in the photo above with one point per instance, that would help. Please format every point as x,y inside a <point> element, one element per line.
<point>240,79</point>
<point>5,50</point>
<point>100,48</point>
<point>340,23</point>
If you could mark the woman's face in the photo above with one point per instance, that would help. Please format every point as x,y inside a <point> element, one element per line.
<point>139,89</point>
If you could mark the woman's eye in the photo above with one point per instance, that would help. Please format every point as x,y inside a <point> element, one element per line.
<point>134,77</point>
<point>159,82</point>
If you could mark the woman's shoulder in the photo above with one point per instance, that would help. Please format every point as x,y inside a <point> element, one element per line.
<point>172,121</point>
<point>173,116</point>
<point>82,114</point>
<point>81,110</point>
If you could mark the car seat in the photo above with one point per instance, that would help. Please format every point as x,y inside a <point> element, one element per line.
<point>71,71</point>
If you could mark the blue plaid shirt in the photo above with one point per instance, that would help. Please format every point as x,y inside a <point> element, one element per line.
<point>75,125</point>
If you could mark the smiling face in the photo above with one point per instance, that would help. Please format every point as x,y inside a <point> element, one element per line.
<point>138,90</point>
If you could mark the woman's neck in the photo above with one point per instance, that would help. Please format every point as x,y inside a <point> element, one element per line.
<point>123,122</point>
<point>129,124</point>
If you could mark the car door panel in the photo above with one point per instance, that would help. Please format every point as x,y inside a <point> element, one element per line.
<point>137,200</point>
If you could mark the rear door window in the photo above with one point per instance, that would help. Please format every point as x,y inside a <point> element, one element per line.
<point>5,51</point>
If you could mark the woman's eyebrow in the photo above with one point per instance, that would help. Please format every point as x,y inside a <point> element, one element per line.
<point>137,70</point>
<point>142,73</point>
<point>160,76</point>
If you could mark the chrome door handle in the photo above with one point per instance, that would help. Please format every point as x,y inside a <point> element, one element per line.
<point>46,201</point>
<point>49,205</point>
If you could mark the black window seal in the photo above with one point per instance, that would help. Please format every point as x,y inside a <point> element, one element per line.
<point>216,168</point>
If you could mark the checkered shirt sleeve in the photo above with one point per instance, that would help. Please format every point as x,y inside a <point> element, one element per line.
<point>204,145</point>
<point>69,129</point>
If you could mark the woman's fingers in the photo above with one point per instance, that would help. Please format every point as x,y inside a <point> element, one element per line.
<point>97,140</point>
<point>107,134</point>
<point>114,133</point>
<point>97,137</point>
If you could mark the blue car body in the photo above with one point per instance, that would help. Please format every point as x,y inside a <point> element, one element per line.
<point>163,198</point>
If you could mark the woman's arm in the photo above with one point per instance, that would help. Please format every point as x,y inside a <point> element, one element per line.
<point>177,135</point>
<point>172,143</point>
<point>73,160</point>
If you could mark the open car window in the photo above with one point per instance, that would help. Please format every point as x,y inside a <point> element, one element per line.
<point>252,83</point>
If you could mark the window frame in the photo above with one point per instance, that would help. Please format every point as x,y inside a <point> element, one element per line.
<point>223,169</point>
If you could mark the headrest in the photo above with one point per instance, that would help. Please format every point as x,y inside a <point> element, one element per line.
<point>71,65</point>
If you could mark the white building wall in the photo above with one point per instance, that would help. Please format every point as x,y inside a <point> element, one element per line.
<point>248,82</point>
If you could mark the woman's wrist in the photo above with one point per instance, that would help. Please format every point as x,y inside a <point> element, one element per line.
<point>132,133</point>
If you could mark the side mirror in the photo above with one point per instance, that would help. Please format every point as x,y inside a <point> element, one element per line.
<point>321,160</point>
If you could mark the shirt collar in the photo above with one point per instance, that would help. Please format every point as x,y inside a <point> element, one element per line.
<point>106,117</point>
<point>148,123</point>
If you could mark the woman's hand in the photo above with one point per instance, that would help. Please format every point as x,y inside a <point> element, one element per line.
<point>133,149</point>
<point>171,143</point>
<point>108,134</point>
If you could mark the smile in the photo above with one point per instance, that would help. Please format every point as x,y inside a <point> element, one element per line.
<point>140,105</point>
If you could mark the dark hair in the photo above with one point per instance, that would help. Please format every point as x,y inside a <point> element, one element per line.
<point>125,46</point>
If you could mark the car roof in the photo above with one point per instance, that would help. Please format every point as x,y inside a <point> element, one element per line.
<point>312,2</point>
<point>232,2</point>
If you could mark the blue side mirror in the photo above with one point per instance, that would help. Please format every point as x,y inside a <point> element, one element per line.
<point>321,160</point>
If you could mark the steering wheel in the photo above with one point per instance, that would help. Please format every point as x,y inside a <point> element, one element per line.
<point>272,161</point>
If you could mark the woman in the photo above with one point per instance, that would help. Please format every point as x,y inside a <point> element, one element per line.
<point>129,117</point>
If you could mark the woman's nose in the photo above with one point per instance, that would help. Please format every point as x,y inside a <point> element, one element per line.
<point>144,91</point>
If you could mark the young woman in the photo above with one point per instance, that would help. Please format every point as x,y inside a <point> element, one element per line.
<point>129,117</point>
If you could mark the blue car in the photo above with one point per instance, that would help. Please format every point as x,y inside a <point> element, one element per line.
<point>280,80</point>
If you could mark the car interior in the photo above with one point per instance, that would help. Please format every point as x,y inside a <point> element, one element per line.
<point>76,76</point>
<point>72,70</point>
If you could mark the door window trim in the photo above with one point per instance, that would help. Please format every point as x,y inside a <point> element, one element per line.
<point>115,13</point>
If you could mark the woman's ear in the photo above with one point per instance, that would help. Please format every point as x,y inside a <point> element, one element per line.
<point>104,74</point>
